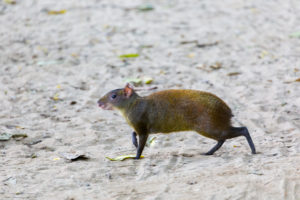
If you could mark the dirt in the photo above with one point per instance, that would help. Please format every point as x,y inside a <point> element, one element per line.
<point>55,65</point>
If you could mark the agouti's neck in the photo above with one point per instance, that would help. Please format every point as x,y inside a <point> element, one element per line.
<point>131,104</point>
<point>134,110</point>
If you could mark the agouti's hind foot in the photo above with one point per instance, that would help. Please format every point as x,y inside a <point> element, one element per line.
<point>206,154</point>
<point>249,140</point>
<point>215,148</point>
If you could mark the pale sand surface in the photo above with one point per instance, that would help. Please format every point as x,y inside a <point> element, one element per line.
<point>74,56</point>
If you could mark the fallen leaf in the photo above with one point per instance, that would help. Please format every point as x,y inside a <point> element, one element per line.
<point>207,44</point>
<point>19,127</point>
<point>147,7</point>
<point>295,34</point>
<point>11,181</point>
<point>150,142</point>
<point>162,72</point>
<point>134,81</point>
<point>74,156</point>
<point>216,66</point>
<point>5,136</point>
<point>74,55</point>
<point>198,44</point>
<point>33,155</point>
<point>73,102</point>
<point>12,2</point>
<point>132,55</point>
<point>191,55</point>
<point>56,12</point>
<point>57,158</point>
<point>147,80</point>
<point>189,42</point>
<point>55,97</point>
<point>233,73</point>
<point>19,135</point>
<point>146,46</point>
<point>187,155</point>
<point>263,54</point>
<point>121,158</point>
<point>297,80</point>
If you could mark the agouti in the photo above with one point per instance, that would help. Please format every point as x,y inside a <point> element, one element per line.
<point>174,110</point>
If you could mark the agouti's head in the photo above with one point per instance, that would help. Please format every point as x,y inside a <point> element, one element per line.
<point>119,98</point>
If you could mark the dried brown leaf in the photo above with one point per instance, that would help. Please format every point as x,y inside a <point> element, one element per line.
<point>233,73</point>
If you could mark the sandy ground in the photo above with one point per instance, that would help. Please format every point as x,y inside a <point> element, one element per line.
<point>49,61</point>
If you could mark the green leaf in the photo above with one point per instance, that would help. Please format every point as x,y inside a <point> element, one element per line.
<point>132,55</point>
<point>150,142</point>
<point>10,2</point>
<point>295,34</point>
<point>121,158</point>
<point>147,7</point>
<point>148,80</point>
<point>56,12</point>
<point>135,81</point>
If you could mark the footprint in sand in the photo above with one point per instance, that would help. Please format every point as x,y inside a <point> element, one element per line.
<point>172,163</point>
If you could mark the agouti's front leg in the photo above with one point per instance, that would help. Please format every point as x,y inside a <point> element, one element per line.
<point>134,141</point>
<point>141,145</point>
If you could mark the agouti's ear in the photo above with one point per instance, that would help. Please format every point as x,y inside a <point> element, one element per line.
<point>128,90</point>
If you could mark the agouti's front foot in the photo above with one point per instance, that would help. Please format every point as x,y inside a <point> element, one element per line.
<point>137,158</point>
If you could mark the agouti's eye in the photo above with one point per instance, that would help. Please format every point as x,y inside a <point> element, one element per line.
<point>113,96</point>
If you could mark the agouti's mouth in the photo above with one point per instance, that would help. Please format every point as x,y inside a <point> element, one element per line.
<point>104,106</point>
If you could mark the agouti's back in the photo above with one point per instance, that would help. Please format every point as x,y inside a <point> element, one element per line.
<point>183,110</point>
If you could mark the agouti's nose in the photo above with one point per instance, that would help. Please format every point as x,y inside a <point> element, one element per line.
<point>100,104</point>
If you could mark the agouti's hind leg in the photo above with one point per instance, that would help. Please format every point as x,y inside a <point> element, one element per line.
<point>134,140</point>
<point>238,131</point>
<point>215,148</point>
<point>249,139</point>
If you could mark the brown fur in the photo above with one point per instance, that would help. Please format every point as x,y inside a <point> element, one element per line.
<point>185,110</point>
<point>175,110</point>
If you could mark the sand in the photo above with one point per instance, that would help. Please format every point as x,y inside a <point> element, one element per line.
<point>53,69</point>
